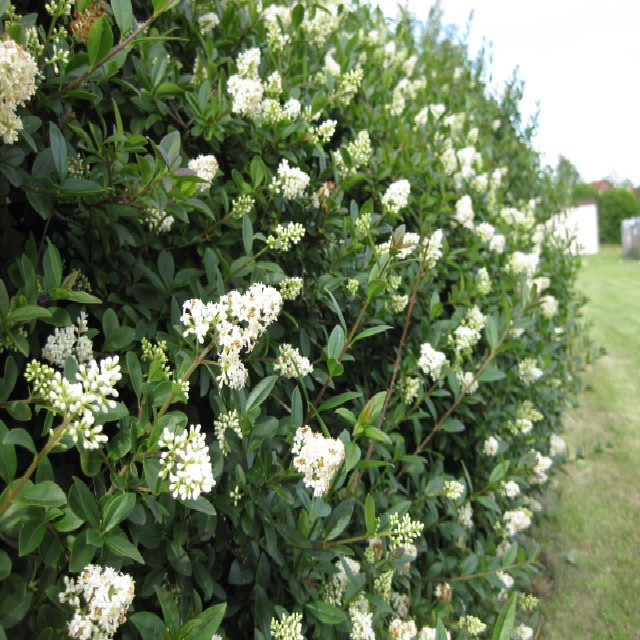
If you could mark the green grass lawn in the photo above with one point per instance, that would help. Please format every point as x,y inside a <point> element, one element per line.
<point>593,527</point>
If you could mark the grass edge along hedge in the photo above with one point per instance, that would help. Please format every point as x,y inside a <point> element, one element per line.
<point>286,332</point>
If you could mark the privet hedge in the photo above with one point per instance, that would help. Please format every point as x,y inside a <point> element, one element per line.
<point>285,340</point>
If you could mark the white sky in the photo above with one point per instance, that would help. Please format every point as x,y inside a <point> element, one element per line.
<point>578,58</point>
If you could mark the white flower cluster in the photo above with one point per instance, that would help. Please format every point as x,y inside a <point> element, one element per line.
<point>475,319</point>
<point>483,281</point>
<point>205,168</point>
<point>557,445</point>
<point>523,264</point>
<point>290,288</point>
<point>237,321</point>
<point>528,371</point>
<point>464,339</point>
<point>410,388</point>
<point>516,520</point>
<point>515,218</point>
<point>277,18</point>
<point>405,247</point>
<point>100,599</point>
<point>396,197</point>
<point>403,532</point>
<point>541,283</point>
<point>323,23</point>
<point>431,361</point>
<point>469,161</point>
<point>285,236</point>
<point>228,420</point>
<point>403,629</point>
<point>317,457</point>
<point>361,620</point>
<point>398,303</point>
<point>432,247</point>
<point>548,306</point>
<point>473,625</point>
<point>207,22</point>
<point>465,515</point>
<point>69,342</point>
<point>520,426</point>
<point>453,489</point>
<point>186,463</point>
<point>497,243</point>
<point>491,446</point>
<point>359,152</point>
<point>18,75</point>
<point>485,231</point>
<point>289,628</point>
<point>511,489</point>
<point>436,111</point>
<point>464,212</point>
<point>333,590</point>
<point>245,87</point>
<point>291,364</point>
<point>79,401</point>
<point>324,131</point>
<point>158,220</point>
<point>242,206</point>
<point>290,182</point>
<point>540,467</point>
<point>400,604</point>
<point>467,381</point>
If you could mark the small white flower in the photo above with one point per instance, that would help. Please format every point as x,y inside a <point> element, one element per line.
<point>317,457</point>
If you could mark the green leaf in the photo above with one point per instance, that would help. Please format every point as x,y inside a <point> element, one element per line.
<point>43,494</point>
<point>297,415</point>
<point>30,538</point>
<point>491,374</point>
<point>453,425</point>
<point>247,234</point>
<point>119,339</point>
<point>340,518</point>
<point>506,619</point>
<point>335,368</point>
<point>149,625</point>
<point>204,626</point>
<point>200,504</point>
<point>83,503</point>
<point>297,15</point>
<point>336,401</point>
<point>491,332</point>
<point>59,152</point>
<point>260,392</point>
<point>375,288</point>
<point>441,632</point>
<point>27,313</point>
<point>81,297</point>
<point>325,612</point>
<point>121,545</point>
<point>371,331</point>
<point>169,609</point>
<point>498,472</point>
<point>336,308</point>
<point>166,269</point>
<point>123,15</point>
<point>373,433</point>
<point>20,437</point>
<point>52,263</point>
<point>99,41</point>
<point>336,342</point>
<point>82,553</point>
<point>370,515</point>
<point>135,373</point>
<point>5,564</point>
<point>117,509</point>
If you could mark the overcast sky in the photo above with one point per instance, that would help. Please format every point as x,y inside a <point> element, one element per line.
<point>578,58</point>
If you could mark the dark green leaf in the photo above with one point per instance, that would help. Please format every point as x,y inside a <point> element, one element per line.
<point>27,313</point>
<point>83,503</point>
<point>506,619</point>
<point>325,612</point>
<point>20,437</point>
<point>336,401</point>
<point>99,41</point>
<point>169,609</point>
<point>123,15</point>
<point>121,545</point>
<point>370,515</point>
<point>336,342</point>
<point>371,331</point>
<point>118,508</point>
<point>149,625</point>
<point>261,392</point>
<point>203,626</point>
<point>59,153</point>
<point>30,538</point>
<point>81,554</point>
<point>43,494</point>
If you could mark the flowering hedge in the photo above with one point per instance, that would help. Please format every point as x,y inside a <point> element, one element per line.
<point>285,335</point>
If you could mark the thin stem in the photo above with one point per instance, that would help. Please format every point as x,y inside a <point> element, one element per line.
<point>114,51</point>
<point>15,490</point>
<point>396,368</point>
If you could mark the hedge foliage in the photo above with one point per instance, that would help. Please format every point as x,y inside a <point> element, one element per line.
<point>286,334</point>
<point>614,206</point>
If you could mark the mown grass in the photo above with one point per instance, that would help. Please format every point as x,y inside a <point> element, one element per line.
<point>593,528</point>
